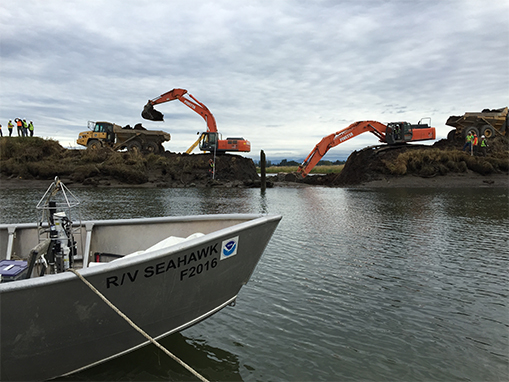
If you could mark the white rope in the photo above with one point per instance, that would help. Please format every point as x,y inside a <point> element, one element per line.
<point>174,357</point>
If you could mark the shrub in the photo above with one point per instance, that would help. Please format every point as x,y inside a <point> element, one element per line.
<point>85,171</point>
<point>430,162</point>
<point>95,156</point>
<point>29,149</point>
<point>396,167</point>
<point>427,170</point>
<point>126,175</point>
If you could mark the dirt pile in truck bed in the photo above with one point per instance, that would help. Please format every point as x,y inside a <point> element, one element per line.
<point>40,159</point>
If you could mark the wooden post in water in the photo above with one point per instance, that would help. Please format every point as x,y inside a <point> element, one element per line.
<point>262,170</point>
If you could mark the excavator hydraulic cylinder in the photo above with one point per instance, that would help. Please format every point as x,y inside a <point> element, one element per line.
<point>151,114</point>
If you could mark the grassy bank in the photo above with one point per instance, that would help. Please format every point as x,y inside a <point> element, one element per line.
<point>42,159</point>
<point>433,162</point>
<point>34,158</point>
<point>38,158</point>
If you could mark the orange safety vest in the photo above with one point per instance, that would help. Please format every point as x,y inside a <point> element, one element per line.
<point>19,123</point>
<point>475,140</point>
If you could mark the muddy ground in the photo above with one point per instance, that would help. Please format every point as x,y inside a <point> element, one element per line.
<point>33,163</point>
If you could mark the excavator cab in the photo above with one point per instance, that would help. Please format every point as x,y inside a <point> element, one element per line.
<point>151,114</point>
<point>402,132</point>
<point>208,141</point>
<point>398,132</point>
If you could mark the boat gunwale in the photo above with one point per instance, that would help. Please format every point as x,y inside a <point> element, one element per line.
<point>251,220</point>
<point>159,219</point>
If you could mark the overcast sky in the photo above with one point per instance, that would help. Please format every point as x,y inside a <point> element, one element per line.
<point>282,74</point>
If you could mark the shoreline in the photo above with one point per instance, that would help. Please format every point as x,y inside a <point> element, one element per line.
<point>463,180</point>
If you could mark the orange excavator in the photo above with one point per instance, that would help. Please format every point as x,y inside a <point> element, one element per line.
<point>208,141</point>
<point>393,133</point>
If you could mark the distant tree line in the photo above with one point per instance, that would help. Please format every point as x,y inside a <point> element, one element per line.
<point>291,163</point>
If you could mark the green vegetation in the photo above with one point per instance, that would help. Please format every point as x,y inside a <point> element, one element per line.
<point>333,169</point>
<point>285,166</point>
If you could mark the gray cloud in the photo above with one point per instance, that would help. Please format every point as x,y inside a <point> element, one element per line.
<point>282,74</point>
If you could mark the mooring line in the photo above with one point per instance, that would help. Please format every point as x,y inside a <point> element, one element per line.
<point>168,353</point>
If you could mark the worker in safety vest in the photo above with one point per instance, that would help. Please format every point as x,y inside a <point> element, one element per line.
<point>25,128</point>
<point>474,145</point>
<point>1,134</point>
<point>10,125</point>
<point>468,142</point>
<point>20,126</point>
<point>484,146</point>
<point>31,128</point>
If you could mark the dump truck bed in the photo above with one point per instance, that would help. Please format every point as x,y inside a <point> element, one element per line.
<point>128,132</point>
<point>493,117</point>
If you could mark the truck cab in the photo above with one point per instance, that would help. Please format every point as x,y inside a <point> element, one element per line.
<point>106,128</point>
<point>100,133</point>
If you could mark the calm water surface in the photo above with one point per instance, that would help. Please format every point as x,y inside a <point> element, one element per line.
<point>382,285</point>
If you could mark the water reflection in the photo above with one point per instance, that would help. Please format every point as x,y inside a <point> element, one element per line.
<point>152,364</point>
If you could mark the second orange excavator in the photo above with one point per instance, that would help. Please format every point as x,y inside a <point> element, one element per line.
<point>209,140</point>
<point>393,133</point>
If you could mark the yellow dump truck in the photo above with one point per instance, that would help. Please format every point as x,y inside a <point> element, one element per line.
<point>489,122</point>
<point>107,134</point>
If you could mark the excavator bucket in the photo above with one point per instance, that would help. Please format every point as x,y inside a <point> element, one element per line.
<point>151,114</point>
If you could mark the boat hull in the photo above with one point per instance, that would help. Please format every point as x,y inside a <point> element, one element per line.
<point>55,325</point>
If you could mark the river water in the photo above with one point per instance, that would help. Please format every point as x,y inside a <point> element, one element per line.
<point>356,284</point>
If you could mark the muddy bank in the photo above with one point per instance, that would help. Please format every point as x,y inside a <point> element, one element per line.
<point>441,165</point>
<point>29,162</point>
<point>34,162</point>
<point>468,179</point>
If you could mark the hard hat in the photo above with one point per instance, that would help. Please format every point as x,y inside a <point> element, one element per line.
<point>482,136</point>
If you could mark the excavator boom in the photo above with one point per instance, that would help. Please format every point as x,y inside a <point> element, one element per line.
<point>392,133</point>
<point>153,115</point>
<point>209,140</point>
<point>338,137</point>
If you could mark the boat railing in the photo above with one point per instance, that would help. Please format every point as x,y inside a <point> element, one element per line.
<point>59,220</point>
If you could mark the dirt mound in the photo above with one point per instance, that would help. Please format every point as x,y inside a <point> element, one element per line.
<point>195,169</point>
<point>445,157</point>
<point>35,158</point>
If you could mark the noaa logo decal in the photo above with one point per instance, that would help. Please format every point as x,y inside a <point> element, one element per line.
<point>229,248</point>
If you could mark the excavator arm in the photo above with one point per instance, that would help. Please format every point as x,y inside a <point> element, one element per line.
<point>153,115</point>
<point>193,146</point>
<point>338,137</point>
<point>211,139</point>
